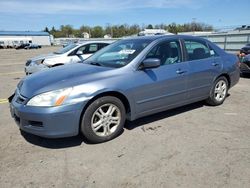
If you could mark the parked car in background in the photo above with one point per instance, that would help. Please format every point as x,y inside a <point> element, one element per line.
<point>128,79</point>
<point>32,46</point>
<point>72,53</point>
<point>1,44</point>
<point>245,49</point>
<point>245,64</point>
<point>21,46</point>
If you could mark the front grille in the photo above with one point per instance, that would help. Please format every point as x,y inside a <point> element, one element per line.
<point>36,123</point>
<point>28,63</point>
<point>19,98</point>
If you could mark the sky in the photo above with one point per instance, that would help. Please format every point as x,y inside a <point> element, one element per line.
<point>34,15</point>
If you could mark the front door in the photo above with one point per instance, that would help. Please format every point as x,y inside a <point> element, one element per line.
<point>163,87</point>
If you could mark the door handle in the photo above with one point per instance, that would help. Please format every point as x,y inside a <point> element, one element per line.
<point>215,64</point>
<point>179,71</point>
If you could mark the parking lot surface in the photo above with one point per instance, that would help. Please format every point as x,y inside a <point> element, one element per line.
<point>192,146</point>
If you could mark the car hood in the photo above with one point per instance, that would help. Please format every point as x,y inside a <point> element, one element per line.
<point>61,77</point>
<point>45,56</point>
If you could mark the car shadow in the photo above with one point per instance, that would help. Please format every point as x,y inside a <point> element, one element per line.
<point>56,143</point>
<point>245,75</point>
<point>130,125</point>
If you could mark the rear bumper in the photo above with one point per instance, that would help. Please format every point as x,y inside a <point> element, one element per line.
<point>49,122</point>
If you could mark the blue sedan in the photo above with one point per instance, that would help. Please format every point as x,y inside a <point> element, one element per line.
<point>128,79</point>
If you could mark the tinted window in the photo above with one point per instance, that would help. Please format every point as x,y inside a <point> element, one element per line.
<point>197,50</point>
<point>82,49</point>
<point>88,49</point>
<point>167,52</point>
<point>92,48</point>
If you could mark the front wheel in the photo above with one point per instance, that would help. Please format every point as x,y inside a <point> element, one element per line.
<point>218,92</point>
<point>103,119</point>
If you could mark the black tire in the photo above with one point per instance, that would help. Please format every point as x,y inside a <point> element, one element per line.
<point>212,100</point>
<point>88,117</point>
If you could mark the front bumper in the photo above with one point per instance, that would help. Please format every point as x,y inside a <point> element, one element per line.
<point>32,68</point>
<point>49,122</point>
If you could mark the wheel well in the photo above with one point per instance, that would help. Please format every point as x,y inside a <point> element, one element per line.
<point>228,79</point>
<point>116,94</point>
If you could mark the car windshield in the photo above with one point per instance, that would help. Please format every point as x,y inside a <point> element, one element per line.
<point>119,53</point>
<point>65,49</point>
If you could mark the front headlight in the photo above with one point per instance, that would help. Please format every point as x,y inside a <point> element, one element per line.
<point>52,98</point>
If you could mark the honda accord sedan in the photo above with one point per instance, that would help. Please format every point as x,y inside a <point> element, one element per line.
<point>128,79</point>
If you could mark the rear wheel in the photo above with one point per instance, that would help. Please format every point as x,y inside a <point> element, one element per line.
<point>103,120</point>
<point>218,92</point>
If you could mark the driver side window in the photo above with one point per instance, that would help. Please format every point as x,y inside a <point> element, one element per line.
<point>81,49</point>
<point>168,52</point>
<point>88,49</point>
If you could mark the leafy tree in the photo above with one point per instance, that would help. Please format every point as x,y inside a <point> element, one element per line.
<point>67,30</point>
<point>46,30</point>
<point>150,26</point>
<point>97,32</point>
<point>118,31</point>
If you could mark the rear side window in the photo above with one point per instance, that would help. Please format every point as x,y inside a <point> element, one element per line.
<point>168,52</point>
<point>87,49</point>
<point>92,48</point>
<point>197,50</point>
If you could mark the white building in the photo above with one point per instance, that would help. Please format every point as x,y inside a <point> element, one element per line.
<point>12,38</point>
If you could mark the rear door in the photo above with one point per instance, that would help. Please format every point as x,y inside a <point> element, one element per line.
<point>204,66</point>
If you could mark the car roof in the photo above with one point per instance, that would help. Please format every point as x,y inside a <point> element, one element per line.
<point>95,41</point>
<point>160,37</point>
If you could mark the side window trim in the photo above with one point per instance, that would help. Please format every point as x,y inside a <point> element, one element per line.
<point>210,48</point>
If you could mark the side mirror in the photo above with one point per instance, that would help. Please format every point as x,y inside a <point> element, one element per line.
<point>79,53</point>
<point>150,63</point>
